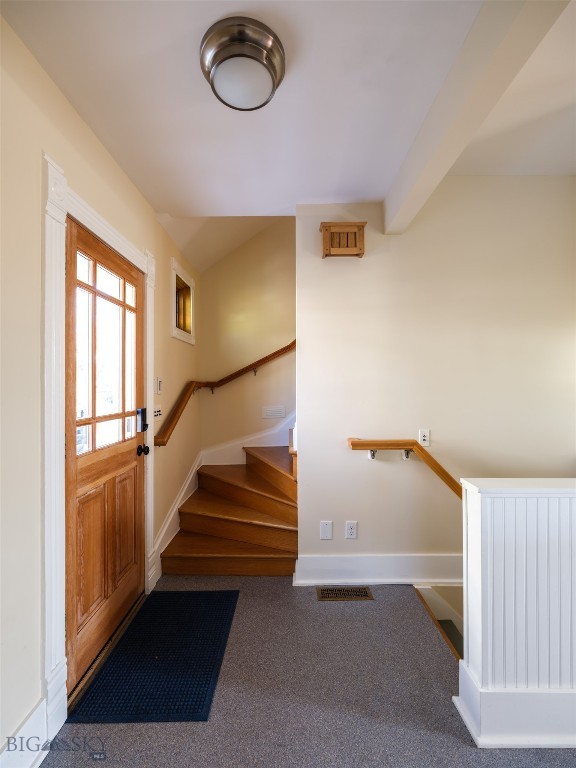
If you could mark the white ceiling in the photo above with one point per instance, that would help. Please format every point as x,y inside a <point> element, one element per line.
<point>379,101</point>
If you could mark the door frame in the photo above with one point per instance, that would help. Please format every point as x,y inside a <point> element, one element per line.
<point>59,201</point>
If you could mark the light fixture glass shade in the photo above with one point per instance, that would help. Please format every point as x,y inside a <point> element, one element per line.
<point>243,60</point>
<point>242,83</point>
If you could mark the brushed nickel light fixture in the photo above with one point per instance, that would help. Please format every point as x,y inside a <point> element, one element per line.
<point>243,60</point>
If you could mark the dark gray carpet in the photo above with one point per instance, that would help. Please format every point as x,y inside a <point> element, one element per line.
<point>165,667</point>
<point>308,684</point>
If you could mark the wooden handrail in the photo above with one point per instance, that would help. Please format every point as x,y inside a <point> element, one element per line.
<point>191,387</point>
<point>408,445</point>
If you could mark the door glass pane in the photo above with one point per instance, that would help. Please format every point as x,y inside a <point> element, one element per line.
<point>130,361</point>
<point>83,268</point>
<point>108,357</point>
<point>108,282</point>
<point>83,354</point>
<point>130,431</point>
<point>83,439</point>
<point>108,432</point>
<point>130,295</point>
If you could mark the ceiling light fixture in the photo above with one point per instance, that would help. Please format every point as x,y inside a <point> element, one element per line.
<point>243,60</point>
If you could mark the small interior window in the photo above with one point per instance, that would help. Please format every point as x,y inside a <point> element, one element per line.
<point>182,304</point>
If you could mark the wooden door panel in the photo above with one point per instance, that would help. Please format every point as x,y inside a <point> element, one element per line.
<point>91,553</point>
<point>92,636</point>
<point>125,524</point>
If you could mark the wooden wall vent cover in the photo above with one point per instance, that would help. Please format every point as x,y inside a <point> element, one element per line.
<point>342,238</point>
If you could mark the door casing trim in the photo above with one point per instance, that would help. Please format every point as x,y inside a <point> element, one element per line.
<point>59,201</point>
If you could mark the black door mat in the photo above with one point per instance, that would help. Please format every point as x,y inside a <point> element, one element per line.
<point>165,667</point>
<point>327,594</point>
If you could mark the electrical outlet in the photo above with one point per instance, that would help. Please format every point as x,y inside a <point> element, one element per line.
<point>351,529</point>
<point>424,436</point>
<point>325,529</point>
<point>157,413</point>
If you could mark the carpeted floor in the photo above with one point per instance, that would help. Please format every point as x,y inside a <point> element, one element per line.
<point>308,684</point>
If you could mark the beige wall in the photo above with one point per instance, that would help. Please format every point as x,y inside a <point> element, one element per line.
<point>176,363</point>
<point>36,118</point>
<point>246,311</point>
<point>464,324</point>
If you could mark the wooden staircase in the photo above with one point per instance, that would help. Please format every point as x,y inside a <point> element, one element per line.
<point>242,520</point>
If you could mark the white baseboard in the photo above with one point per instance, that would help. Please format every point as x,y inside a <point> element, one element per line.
<point>56,699</point>
<point>171,524</point>
<point>440,607</point>
<point>24,748</point>
<point>378,569</point>
<point>520,719</point>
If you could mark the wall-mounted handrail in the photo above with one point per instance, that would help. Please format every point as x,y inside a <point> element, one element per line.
<point>191,387</point>
<point>408,445</point>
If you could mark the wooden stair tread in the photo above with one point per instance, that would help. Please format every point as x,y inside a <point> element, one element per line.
<point>199,545</point>
<point>240,476</point>
<point>202,502</point>
<point>277,456</point>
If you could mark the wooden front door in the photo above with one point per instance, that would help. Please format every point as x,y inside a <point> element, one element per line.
<point>104,471</point>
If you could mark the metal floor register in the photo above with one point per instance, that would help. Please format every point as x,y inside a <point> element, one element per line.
<point>344,593</point>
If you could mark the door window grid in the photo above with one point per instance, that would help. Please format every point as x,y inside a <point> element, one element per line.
<point>105,334</point>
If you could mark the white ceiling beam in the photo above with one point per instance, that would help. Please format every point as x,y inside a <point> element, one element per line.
<point>501,40</point>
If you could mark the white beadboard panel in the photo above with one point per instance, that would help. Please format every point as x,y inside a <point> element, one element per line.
<point>529,622</point>
<point>553,594</point>
<point>567,609</point>
<point>510,595</point>
<point>543,594</point>
<point>572,594</point>
<point>532,593</point>
<point>519,607</point>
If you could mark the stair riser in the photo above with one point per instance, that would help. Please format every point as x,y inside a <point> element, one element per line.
<point>204,566</point>
<point>238,531</point>
<point>285,512</point>
<point>272,475</point>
